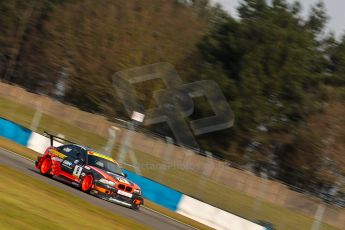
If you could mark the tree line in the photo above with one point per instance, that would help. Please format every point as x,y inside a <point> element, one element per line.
<point>282,73</point>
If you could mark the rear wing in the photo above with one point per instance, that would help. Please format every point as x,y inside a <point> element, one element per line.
<point>57,138</point>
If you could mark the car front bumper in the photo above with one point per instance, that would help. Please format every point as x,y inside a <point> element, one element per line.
<point>114,197</point>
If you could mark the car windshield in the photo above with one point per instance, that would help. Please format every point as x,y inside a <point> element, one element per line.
<point>104,164</point>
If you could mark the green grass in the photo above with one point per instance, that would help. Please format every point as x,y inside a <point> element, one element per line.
<point>26,203</point>
<point>28,153</point>
<point>185,181</point>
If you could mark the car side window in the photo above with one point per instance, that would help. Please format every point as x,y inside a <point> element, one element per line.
<point>76,151</point>
<point>83,155</point>
<point>73,151</point>
<point>66,149</point>
<point>79,153</point>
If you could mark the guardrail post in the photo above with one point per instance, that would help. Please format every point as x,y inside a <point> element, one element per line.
<point>111,140</point>
<point>262,191</point>
<point>36,119</point>
<point>126,148</point>
<point>318,216</point>
<point>207,171</point>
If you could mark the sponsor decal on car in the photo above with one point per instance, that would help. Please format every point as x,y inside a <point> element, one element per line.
<point>123,193</point>
<point>123,180</point>
<point>77,171</point>
<point>67,163</point>
<point>57,153</point>
<point>56,159</point>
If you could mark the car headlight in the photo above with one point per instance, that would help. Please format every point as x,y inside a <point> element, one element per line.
<point>107,182</point>
<point>137,191</point>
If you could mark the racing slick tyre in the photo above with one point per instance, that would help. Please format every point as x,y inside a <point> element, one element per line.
<point>135,204</point>
<point>87,183</point>
<point>45,167</point>
<point>135,207</point>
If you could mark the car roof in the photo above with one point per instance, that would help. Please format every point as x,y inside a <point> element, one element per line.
<point>91,151</point>
<point>81,146</point>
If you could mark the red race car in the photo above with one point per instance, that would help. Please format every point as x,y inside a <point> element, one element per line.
<point>93,172</point>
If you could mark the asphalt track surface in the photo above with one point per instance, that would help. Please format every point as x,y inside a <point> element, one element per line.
<point>145,216</point>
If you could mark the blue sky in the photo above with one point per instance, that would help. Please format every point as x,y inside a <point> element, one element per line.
<point>334,10</point>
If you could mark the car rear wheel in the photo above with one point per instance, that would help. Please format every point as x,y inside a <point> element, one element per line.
<point>135,207</point>
<point>46,166</point>
<point>87,183</point>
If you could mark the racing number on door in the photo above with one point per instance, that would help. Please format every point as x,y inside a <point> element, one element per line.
<point>77,171</point>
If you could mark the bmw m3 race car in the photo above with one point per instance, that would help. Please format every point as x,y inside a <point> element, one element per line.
<point>93,172</point>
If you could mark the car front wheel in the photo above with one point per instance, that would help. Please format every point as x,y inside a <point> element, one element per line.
<point>87,183</point>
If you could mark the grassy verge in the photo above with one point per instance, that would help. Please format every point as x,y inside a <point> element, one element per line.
<point>27,203</point>
<point>176,216</point>
<point>185,181</point>
<point>28,153</point>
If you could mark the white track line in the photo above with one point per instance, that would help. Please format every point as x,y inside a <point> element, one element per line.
<point>169,217</point>
<point>6,150</point>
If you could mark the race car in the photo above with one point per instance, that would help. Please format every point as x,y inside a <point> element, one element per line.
<point>92,172</point>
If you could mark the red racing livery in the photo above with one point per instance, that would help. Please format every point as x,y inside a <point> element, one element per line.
<point>93,172</point>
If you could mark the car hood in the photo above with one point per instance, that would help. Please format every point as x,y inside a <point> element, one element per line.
<point>115,177</point>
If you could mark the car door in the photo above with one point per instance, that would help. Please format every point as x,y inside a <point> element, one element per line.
<point>79,156</point>
<point>73,163</point>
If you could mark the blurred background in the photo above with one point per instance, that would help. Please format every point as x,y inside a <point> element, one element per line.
<point>281,72</point>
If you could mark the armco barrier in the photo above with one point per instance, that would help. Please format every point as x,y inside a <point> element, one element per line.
<point>156,192</point>
<point>153,191</point>
<point>211,216</point>
<point>14,132</point>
